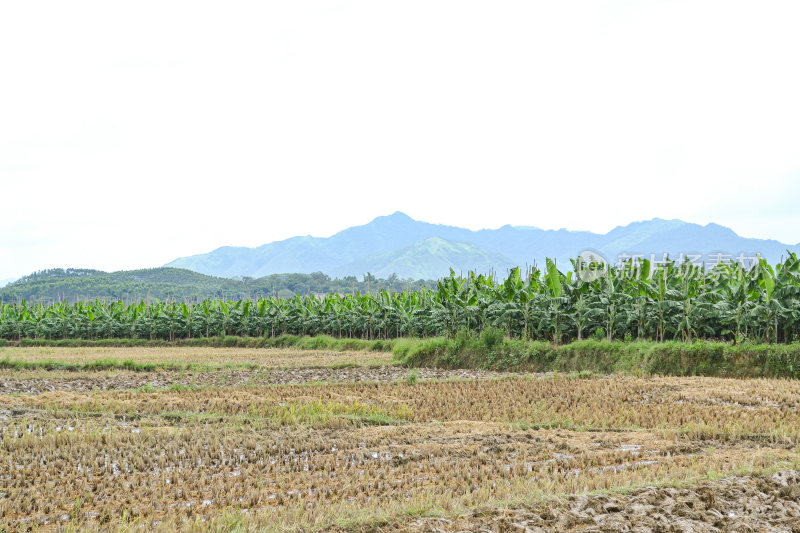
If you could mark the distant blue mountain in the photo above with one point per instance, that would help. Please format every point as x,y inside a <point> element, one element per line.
<point>410,248</point>
<point>428,259</point>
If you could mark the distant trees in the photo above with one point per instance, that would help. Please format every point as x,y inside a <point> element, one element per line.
<point>174,284</point>
<point>665,301</point>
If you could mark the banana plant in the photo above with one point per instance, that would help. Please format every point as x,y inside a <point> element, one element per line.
<point>642,300</point>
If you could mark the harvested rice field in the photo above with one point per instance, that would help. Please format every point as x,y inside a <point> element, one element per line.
<point>179,357</point>
<point>282,440</point>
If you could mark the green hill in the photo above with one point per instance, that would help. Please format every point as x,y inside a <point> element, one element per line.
<point>183,285</point>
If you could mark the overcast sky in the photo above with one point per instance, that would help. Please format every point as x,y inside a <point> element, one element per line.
<point>133,133</point>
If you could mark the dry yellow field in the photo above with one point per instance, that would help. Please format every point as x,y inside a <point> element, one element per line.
<point>268,358</point>
<point>363,448</point>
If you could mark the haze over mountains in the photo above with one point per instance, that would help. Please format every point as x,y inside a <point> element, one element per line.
<point>394,244</point>
<point>398,244</point>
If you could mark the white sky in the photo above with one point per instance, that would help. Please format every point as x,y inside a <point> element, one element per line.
<point>133,133</point>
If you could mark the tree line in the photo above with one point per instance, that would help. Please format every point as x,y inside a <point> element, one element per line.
<point>637,300</point>
<point>181,285</point>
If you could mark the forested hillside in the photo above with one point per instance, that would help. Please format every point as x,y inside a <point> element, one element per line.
<point>177,284</point>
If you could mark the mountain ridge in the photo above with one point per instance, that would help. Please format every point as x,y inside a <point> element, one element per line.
<point>433,254</point>
<point>383,244</point>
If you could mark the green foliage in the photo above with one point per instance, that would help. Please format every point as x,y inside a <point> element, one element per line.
<point>96,365</point>
<point>166,283</point>
<point>590,357</point>
<point>283,341</point>
<point>636,302</point>
<point>492,337</point>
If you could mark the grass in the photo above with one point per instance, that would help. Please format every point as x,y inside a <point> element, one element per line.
<point>299,342</point>
<point>412,378</point>
<point>101,365</point>
<point>489,350</point>
<point>492,351</point>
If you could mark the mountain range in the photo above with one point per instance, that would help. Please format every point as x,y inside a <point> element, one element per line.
<point>398,244</point>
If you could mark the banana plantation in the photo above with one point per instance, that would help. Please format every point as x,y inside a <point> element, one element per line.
<point>639,300</point>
